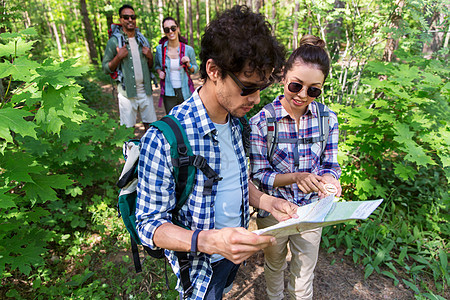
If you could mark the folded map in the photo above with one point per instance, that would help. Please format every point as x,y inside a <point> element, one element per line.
<point>322,213</point>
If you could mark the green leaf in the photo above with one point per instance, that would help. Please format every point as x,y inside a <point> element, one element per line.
<point>25,253</point>
<point>368,271</point>
<point>12,119</point>
<point>6,200</point>
<point>403,171</point>
<point>443,257</point>
<point>19,166</point>
<point>390,275</point>
<point>43,186</point>
<point>379,257</point>
<point>22,68</point>
<point>411,286</point>
<point>17,47</point>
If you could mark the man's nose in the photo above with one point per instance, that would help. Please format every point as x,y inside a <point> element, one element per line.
<point>255,97</point>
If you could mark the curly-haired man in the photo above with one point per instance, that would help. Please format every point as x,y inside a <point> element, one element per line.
<point>239,58</point>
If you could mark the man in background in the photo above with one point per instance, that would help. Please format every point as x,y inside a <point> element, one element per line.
<point>128,53</point>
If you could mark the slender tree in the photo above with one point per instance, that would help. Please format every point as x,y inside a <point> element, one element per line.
<point>197,19</point>
<point>191,26</point>
<point>207,12</point>
<point>89,34</point>
<point>392,43</point>
<point>295,29</point>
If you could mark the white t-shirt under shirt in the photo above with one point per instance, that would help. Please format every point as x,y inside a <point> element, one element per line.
<point>175,77</point>
<point>137,65</point>
<point>229,195</point>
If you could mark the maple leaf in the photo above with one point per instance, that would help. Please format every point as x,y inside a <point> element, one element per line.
<point>12,119</point>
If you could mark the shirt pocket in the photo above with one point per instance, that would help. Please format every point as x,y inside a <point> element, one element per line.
<point>281,161</point>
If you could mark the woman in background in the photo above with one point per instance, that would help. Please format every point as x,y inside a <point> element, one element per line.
<point>298,167</point>
<point>175,62</point>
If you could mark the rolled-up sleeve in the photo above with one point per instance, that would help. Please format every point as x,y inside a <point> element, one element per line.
<point>110,53</point>
<point>158,58</point>
<point>191,54</point>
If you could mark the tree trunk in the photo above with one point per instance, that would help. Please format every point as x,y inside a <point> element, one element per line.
<point>185,17</point>
<point>197,19</point>
<point>161,14</point>
<point>89,34</point>
<point>436,31</point>
<point>274,15</point>
<point>257,4</point>
<point>250,4</point>
<point>207,12</point>
<point>392,44</point>
<point>334,32</point>
<point>178,11</point>
<point>55,34</point>
<point>191,26</point>
<point>295,29</point>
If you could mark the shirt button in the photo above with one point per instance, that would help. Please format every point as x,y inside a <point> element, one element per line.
<point>216,143</point>
<point>212,204</point>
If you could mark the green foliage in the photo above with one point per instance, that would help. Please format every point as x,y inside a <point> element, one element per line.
<point>395,146</point>
<point>53,152</point>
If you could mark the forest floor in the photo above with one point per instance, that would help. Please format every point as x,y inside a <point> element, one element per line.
<point>336,276</point>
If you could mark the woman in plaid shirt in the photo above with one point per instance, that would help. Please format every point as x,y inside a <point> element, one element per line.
<point>296,172</point>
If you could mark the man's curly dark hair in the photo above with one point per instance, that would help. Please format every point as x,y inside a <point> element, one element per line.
<point>238,36</point>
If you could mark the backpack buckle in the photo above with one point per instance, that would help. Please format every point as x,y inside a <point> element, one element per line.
<point>182,161</point>
<point>199,162</point>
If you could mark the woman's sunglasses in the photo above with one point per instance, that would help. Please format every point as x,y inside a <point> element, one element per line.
<point>295,87</point>
<point>248,90</point>
<point>126,17</point>
<point>168,29</point>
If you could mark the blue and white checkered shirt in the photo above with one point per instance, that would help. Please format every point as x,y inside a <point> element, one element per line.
<point>283,159</point>
<point>156,185</point>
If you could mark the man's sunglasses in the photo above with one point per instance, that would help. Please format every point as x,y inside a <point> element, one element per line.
<point>295,87</point>
<point>168,29</point>
<point>127,17</point>
<point>248,90</point>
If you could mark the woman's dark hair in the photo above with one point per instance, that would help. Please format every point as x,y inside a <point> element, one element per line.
<point>238,37</point>
<point>180,37</point>
<point>123,7</point>
<point>311,51</point>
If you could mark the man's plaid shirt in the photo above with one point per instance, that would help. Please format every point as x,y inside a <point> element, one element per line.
<point>283,158</point>
<point>156,185</point>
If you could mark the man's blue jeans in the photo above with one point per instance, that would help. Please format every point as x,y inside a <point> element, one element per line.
<point>224,272</point>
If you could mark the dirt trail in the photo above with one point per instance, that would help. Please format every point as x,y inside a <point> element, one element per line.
<point>336,276</point>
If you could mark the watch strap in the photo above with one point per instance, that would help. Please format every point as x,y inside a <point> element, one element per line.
<point>194,241</point>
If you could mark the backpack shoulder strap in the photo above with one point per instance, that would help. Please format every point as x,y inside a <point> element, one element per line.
<point>272,130</point>
<point>164,52</point>
<point>184,165</point>
<point>184,161</point>
<point>115,31</point>
<point>323,115</point>
<point>246,130</point>
<point>180,150</point>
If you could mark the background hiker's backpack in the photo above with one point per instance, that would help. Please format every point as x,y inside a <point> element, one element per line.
<point>185,164</point>
<point>115,30</point>
<point>273,140</point>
